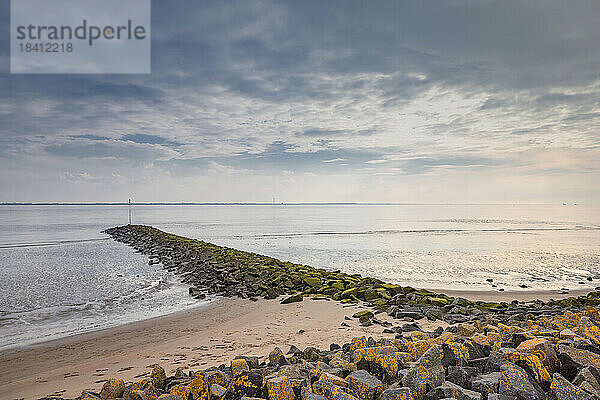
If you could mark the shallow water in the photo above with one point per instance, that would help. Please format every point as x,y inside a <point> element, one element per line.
<point>60,275</point>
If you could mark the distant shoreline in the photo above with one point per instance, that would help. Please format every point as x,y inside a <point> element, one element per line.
<point>279,204</point>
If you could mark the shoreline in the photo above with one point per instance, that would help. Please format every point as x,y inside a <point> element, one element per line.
<point>195,338</point>
<point>473,295</point>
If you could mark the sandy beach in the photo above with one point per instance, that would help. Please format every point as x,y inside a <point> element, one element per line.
<point>204,336</point>
<point>193,339</point>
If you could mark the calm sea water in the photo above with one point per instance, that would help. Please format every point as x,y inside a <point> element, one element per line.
<point>61,276</point>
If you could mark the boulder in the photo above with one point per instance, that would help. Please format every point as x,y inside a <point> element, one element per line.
<point>461,375</point>
<point>562,389</point>
<point>514,381</point>
<point>112,389</point>
<point>590,375</point>
<point>365,385</point>
<point>276,357</point>
<point>246,384</point>
<point>450,390</point>
<point>238,366</point>
<point>197,389</point>
<point>401,393</point>
<point>544,350</point>
<point>426,374</point>
<point>279,388</point>
<point>217,377</point>
<point>455,354</point>
<point>158,376</point>
<point>487,383</point>
<point>293,299</point>
<point>573,360</point>
<point>589,329</point>
<point>217,391</point>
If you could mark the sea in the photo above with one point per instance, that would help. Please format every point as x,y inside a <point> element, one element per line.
<point>61,276</point>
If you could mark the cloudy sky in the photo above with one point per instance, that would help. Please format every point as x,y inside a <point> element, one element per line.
<point>407,101</point>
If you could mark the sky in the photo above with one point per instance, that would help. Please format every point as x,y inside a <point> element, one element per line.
<point>458,101</point>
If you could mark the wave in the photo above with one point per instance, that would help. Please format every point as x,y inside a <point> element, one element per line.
<point>48,243</point>
<point>417,231</point>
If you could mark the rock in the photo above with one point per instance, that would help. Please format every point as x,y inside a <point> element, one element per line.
<point>461,375</point>
<point>365,385</point>
<point>169,397</point>
<point>426,374</point>
<point>217,377</point>
<point>382,361</point>
<point>327,389</point>
<point>246,384</point>
<point>451,390</point>
<point>562,389</point>
<point>455,354</point>
<point>294,351</point>
<point>251,360</point>
<point>293,299</point>
<point>276,357</point>
<point>544,350</point>
<point>311,354</point>
<point>496,396</point>
<point>308,395</point>
<point>158,376</point>
<point>336,380</point>
<point>313,282</point>
<point>589,329</point>
<point>410,314</point>
<point>401,393</point>
<point>217,391</point>
<point>574,359</point>
<point>487,383</point>
<point>279,388</point>
<point>197,389</point>
<point>514,381</point>
<point>360,314</point>
<point>238,366</point>
<point>411,327</point>
<point>112,389</point>
<point>590,375</point>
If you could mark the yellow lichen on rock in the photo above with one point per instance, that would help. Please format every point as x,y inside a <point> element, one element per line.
<point>197,389</point>
<point>238,366</point>
<point>279,388</point>
<point>112,389</point>
<point>358,343</point>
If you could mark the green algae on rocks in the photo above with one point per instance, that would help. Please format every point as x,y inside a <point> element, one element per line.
<point>211,269</point>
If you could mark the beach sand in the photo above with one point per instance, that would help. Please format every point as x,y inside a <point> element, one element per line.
<point>194,339</point>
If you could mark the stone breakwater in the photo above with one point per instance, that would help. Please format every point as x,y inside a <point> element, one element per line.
<point>212,269</point>
<point>555,358</point>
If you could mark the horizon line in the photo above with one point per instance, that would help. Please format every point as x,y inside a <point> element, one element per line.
<point>257,203</point>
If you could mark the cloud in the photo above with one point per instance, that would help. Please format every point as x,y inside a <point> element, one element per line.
<point>395,90</point>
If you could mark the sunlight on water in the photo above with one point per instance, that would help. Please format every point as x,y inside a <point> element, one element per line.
<point>60,275</point>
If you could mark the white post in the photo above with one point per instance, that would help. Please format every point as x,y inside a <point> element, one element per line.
<point>129,211</point>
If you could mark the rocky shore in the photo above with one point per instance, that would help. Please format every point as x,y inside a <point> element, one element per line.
<point>496,351</point>
<point>212,269</point>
